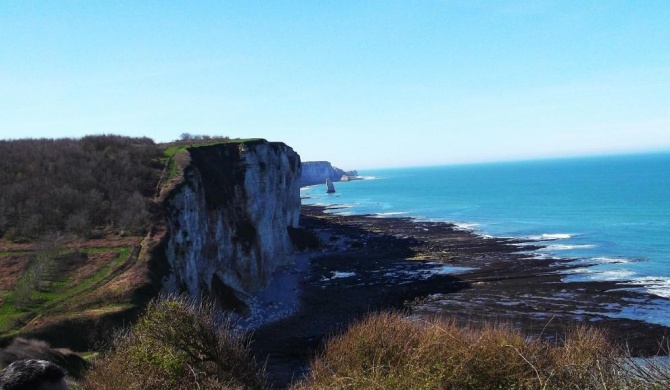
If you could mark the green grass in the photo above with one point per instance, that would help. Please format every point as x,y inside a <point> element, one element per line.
<point>62,291</point>
<point>172,165</point>
<point>103,249</point>
<point>14,253</point>
<point>59,292</point>
<point>122,254</point>
<point>171,152</point>
<point>8,313</point>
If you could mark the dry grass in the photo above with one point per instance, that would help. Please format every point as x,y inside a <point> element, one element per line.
<point>177,344</point>
<point>108,240</point>
<point>79,271</point>
<point>389,351</point>
<point>124,285</point>
<point>12,267</point>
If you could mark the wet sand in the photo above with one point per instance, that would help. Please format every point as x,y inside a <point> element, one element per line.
<point>366,264</point>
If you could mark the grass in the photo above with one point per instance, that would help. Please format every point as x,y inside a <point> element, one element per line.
<point>181,344</point>
<point>122,255</point>
<point>59,293</point>
<point>8,313</point>
<point>172,149</point>
<point>13,253</point>
<point>390,351</point>
<point>177,344</point>
<point>176,158</point>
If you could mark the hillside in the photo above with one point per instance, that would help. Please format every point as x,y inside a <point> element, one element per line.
<point>72,216</point>
<point>81,229</point>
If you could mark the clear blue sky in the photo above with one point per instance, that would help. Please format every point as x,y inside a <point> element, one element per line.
<point>360,83</point>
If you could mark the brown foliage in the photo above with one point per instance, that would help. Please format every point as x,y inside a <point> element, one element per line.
<point>390,351</point>
<point>76,186</point>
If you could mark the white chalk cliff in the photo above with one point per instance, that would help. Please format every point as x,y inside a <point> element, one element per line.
<point>316,172</point>
<point>229,220</point>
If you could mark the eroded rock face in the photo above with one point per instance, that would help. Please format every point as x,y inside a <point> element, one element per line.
<point>228,221</point>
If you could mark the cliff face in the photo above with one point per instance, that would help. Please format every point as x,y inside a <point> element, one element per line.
<point>316,172</point>
<point>228,221</point>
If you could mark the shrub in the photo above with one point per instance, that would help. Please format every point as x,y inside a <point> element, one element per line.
<point>390,351</point>
<point>178,344</point>
<point>42,261</point>
<point>76,186</point>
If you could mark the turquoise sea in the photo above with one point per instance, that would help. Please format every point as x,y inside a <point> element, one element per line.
<point>611,214</point>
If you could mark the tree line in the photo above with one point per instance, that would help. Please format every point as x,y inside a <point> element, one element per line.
<point>77,186</point>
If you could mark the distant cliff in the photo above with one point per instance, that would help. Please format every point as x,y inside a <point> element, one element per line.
<point>316,172</point>
<point>229,219</point>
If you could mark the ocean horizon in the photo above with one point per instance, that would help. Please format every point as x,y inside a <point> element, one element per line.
<point>608,214</point>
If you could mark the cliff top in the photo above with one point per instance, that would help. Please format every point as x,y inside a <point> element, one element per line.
<point>172,148</point>
<point>75,251</point>
<point>80,220</point>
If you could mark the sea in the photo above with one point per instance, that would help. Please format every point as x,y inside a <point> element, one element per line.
<point>610,214</point>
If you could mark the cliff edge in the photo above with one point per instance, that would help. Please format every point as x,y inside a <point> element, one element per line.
<point>208,217</point>
<point>228,219</point>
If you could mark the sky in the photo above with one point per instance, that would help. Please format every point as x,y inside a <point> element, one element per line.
<point>363,84</point>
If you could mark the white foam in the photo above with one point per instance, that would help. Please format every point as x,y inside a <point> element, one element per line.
<point>551,236</point>
<point>337,206</point>
<point>540,256</point>
<point>659,286</point>
<point>465,226</point>
<point>591,275</point>
<point>311,187</point>
<point>426,273</point>
<point>340,275</point>
<point>609,260</point>
<point>565,247</point>
<point>390,214</point>
<point>450,270</point>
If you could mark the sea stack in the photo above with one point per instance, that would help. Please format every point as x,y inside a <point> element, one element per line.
<point>330,186</point>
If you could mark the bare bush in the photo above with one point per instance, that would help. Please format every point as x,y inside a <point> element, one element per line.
<point>74,185</point>
<point>42,262</point>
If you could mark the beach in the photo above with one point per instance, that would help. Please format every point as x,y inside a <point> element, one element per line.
<point>426,269</point>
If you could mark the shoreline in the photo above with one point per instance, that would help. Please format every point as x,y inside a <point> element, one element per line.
<point>576,269</point>
<point>366,264</point>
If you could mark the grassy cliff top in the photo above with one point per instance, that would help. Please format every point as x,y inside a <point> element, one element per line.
<point>79,222</point>
<point>172,148</point>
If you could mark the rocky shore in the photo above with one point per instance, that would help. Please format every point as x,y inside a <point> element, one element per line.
<point>366,264</point>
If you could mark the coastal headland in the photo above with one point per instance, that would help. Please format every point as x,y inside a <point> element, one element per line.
<point>366,264</point>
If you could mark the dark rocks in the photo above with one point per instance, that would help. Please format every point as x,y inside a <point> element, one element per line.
<point>401,264</point>
<point>330,187</point>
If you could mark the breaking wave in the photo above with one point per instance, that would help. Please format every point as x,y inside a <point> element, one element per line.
<point>551,237</point>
